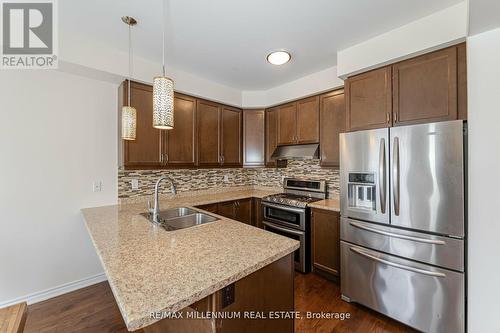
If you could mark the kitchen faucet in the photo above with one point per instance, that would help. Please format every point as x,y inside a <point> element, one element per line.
<point>156,210</point>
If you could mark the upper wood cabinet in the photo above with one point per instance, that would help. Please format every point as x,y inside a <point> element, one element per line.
<point>332,123</point>
<point>428,88</point>
<point>298,122</point>
<point>208,116</point>
<point>287,120</point>
<point>307,125</point>
<point>253,138</point>
<point>325,240</point>
<point>369,100</point>
<point>219,135</point>
<point>271,135</point>
<point>145,151</point>
<point>425,88</point>
<point>230,136</point>
<point>180,141</point>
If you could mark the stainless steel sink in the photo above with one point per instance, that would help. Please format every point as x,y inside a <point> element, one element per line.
<point>181,218</point>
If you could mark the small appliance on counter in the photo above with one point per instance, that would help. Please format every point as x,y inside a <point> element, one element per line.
<point>403,223</point>
<point>287,214</point>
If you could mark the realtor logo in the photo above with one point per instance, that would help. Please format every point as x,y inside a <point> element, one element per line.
<point>29,39</point>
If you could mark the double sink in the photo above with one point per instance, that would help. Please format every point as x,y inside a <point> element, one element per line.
<point>181,218</point>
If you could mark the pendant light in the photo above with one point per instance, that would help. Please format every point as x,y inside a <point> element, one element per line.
<point>129,113</point>
<point>163,92</point>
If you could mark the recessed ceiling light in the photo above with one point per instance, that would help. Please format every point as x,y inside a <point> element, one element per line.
<point>278,57</point>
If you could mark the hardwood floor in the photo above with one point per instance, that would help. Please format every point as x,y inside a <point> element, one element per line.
<point>93,310</point>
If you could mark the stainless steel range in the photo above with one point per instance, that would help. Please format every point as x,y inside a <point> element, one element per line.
<point>287,214</point>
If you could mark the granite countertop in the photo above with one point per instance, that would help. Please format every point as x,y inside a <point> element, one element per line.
<point>150,269</point>
<point>327,204</point>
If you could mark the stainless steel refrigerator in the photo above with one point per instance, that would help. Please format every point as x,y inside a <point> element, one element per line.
<point>403,225</point>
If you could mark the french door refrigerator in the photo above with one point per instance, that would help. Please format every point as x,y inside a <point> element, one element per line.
<point>403,225</point>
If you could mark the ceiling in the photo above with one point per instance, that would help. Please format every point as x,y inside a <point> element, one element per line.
<point>226,41</point>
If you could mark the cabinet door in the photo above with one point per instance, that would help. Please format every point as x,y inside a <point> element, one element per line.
<point>332,123</point>
<point>257,213</point>
<point>253,138</point>
<point>325,233</point>
<point>369,100</point>
<point>231,137</point>
<point>227,209</point>
<point>212,208</point>
<point>271,134</point>
<point>181,140</point>
<point>462,81</point>
<point>208,133</point>
<point>425,88</point>
<point>145,150</point>
<point>244,210</point>
<point>287,124</point>
<point>308,120</point>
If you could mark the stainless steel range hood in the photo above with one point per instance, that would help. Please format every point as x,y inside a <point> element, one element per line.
<point>296,152</point>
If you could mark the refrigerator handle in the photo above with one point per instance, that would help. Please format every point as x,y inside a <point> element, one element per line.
<point>381,176</point>
<point>395,176</point>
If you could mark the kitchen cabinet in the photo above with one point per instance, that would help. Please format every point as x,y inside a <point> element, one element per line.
<point>208,118</point>
<point>240,210</point>
<point>219,135</point>
<point>180,142</point>
<point>253,138</point>
<point>145,151</point>
<point>287,118</point>
<point>271,134</point>
<point>425,88</point>
<point>257,213</point>
<point>298,122</point>
<point>307,123</point>
<point>332,123</point>
<point>369,100</point>
<point>230,136</point>
<point>325,240</point>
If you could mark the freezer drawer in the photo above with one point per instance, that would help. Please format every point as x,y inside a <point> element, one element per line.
<point>427,298</point>
<point>436,250</point>
<point>427,177</point>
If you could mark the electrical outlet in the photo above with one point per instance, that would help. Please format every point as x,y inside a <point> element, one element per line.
<point>135,184</point>
<point>226,178</point>
<point>97,186</point>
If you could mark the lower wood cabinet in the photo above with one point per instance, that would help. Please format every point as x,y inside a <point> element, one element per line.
<point>325,240</point>
<point>241,210</point>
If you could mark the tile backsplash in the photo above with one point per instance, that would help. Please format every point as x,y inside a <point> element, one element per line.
<point>205,179</point>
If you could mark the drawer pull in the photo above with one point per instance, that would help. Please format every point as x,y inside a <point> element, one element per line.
<point>392,234</point>
<point>393,264</point>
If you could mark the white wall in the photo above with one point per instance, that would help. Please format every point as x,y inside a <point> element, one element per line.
<point>57,136</point>
<point>432,32</point>
<point>484,166</point>
<point>88,54</point>
<point>308,85</point>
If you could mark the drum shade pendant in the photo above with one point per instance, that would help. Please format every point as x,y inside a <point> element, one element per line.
<point>163,93</point>
<point>129,113</point>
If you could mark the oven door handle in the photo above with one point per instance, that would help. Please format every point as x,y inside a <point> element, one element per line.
<point>289,231</point>
<point>287,208</point>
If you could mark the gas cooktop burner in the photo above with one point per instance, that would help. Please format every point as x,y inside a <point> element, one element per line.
<point>290,199</point>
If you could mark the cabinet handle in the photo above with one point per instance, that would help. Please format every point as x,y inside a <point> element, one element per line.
<point>166,158</point>
<point>388,120</point>
<point>222,159</point>
<point>395,117</point>
<point>161,158</point>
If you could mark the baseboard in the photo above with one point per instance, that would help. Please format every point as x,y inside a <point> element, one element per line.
<point>56,291</point>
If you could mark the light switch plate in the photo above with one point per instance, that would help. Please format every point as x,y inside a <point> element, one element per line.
<point>135,184</point>
<point>226,178</point>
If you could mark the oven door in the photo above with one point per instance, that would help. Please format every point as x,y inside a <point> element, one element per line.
<point>299,254</point>
<point>284,215</point>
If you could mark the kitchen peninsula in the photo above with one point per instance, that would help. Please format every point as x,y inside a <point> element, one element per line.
<point>220,266</point>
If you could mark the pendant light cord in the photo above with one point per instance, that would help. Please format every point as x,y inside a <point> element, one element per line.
<point>129,59</point>
<point>163,34</point>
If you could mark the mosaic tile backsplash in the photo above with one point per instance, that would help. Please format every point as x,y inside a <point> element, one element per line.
<point>205,179</point>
